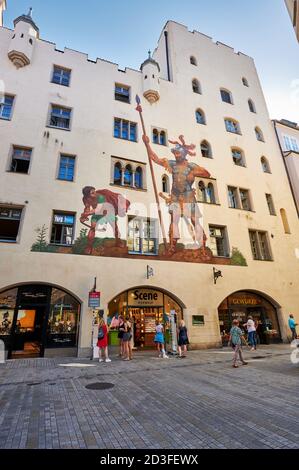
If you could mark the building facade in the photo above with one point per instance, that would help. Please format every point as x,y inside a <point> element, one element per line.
<point>172,202</point>
<point>2,8</point>
<point>293,9</point>
<point>288,137</point>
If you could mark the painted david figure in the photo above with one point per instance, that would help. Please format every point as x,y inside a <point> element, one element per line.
<point>182,201</point>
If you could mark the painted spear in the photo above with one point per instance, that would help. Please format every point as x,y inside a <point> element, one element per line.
<point>139,109</point>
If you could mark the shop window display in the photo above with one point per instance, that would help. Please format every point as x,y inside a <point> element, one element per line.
<point>63,320</point>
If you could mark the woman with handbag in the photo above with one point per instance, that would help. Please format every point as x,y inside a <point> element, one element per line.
<point>103,341</point>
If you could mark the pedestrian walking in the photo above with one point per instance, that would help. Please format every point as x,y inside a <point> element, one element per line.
<point>160,340</point>
<point>183,339</point>
<point>121,331</point>
<point>236,337</point>
<point>103,341</point>
<point>292,326</point>
<point>127,344</point>
<point>251,328</point>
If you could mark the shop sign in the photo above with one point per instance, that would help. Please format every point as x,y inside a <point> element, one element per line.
<point>145,297</point>
<point>94,299</point>
<point>245,301</point>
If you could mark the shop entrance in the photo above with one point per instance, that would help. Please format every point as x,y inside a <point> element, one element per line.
<point>243,304</point>
<point>144,307</point>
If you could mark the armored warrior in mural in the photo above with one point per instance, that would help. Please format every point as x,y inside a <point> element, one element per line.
<point>103,206</point>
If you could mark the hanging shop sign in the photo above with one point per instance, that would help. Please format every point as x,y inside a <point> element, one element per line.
<point>145,297</point>
<point>245,301</point>
<point>94,299</point>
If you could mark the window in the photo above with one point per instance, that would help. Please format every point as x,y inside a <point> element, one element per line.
<point>128,176</point>
<point>193,61</point>
<point>290,143</point>
<point>6,104</point>
<point>60,117</point>
<point>245,199</point>
<point>143,236</point>
<point>122,93</point>
<point>159,136</point>
<point>62,229</point>
<point>165,184</point>
<point>117,179</point>
<point>259,134</point>
<point>66,168</point>
<point>61,76</point>
<point>206,192</point>
<point>218,241</point>
<point>245,82</point>
<point>285,222</point>
<point>10,218</point>
<point>232,126</point>
<point>200,117</point>
<point>20,161</point>
<point>238,157</point>
<point>138,178</point>
<point>210,194</point>
<point>270,204</point>
<point>202,192</point>
<point>63,320</point>
<point>198,320</point>
<point>226,96</point>
<point>196,86</point>
<point>233,198</point>
<point>206,149</point>
<point>260,245</point>
<point>251,106</point>
<point>265,165</point>
<point>125,130</point>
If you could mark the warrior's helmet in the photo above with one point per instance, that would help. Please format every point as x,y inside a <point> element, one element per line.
<point>183,148</point>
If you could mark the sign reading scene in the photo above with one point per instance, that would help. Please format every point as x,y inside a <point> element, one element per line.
<point>145,297</point>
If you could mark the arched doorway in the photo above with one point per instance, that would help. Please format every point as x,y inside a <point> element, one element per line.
<point>242,304</point>
<point>144,306</point>
<point>38,317</point>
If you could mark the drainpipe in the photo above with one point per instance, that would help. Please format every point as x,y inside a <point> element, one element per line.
<point>167,55</point>
<point>286,168</point>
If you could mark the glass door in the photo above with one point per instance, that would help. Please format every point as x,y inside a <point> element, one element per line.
<point>27,333</point>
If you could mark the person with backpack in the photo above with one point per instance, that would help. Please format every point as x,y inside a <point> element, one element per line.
<point>235,339</point>
<point>103,341</point>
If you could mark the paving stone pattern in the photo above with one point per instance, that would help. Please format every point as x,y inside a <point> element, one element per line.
<point>193,403</point>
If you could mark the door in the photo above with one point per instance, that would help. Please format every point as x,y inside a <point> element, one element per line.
<point>28,332</point>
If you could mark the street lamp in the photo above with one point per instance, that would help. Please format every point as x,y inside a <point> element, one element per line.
<point>216,275</point>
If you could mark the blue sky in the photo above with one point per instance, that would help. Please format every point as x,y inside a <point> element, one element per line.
<point>123,30</point>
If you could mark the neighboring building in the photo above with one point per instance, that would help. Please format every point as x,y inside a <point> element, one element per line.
<point>2,8</point>
<point>293,9</point>
<point>69,125</point>
<point>288,136</point>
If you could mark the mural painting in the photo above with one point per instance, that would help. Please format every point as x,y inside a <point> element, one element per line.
<point>103,210</point>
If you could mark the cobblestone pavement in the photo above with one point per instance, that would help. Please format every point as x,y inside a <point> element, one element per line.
<point>197,402</point>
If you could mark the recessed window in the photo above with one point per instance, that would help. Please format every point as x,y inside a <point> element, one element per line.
<point>265,165</point>
<point>218,241</point>
<point>138,178</point>
<point>245,199</point>
<point>251,106</point>
<point>61,76</point>
<point>245,82</point>
<point>143,236</point>
<point>63,228</point>
<point>200,117</point>
<point>165,184</point>
<point>10,218</point>
<point>259,135</point>
<point>238,157</point>
<point>206,193</point>
<point>196,86</point>
<point>6,105</point>
<point>226,96</point>
<point>159,136</point>
<point>122,93</point>
<point>193,61</point>
<point>128,173</point>
<point>128,176</point>
<point>66,168</point>
<point>233,198</point>
<point>290,143</point>
<point>206,149</point>
<point>285,221</point>
<point>239,198</point>
<point>117,179</point>
<point>60,117</point>
<point>198,320</point>
<point>20,160</point>
<point>125,130</point>
<point>260,245</point>
<point>232,126</point>
<point>270,204</point>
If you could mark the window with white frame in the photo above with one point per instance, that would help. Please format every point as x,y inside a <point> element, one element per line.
<point>10,218</point>
<point>290,143</point>
<point>6,106</point>
<point>260,245</point>
<point>143,236</point>
<point>122,93</point>
<point>125,130</point>
<point>60,117</point>
<point>219,241</point>
<point>20,160</point>
<point>63,228</point>
<point>61,76</point>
